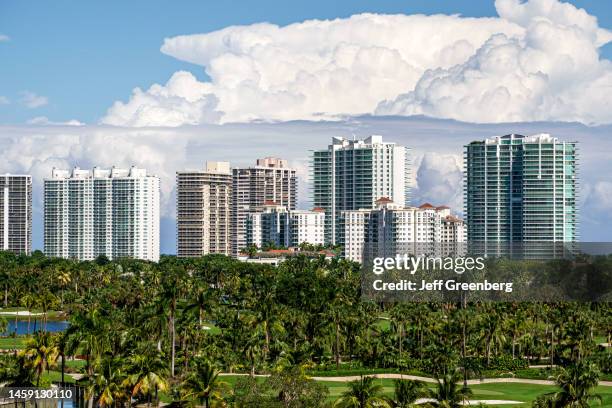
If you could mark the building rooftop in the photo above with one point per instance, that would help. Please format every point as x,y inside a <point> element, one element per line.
<point>272,162</point>
<point>98,173</point>
<point>426,206</point>
<point>537,138</point>
<point>452,218</point>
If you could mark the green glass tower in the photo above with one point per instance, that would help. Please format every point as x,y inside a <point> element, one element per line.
<point>521,189</point>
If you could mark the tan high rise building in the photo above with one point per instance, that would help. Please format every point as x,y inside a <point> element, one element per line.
<point>271,180</point>
<point>204,210</point>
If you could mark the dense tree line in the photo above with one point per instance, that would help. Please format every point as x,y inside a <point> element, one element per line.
<point>171,327</point>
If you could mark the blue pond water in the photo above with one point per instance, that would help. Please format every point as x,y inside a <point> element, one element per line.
<point>22,326</point>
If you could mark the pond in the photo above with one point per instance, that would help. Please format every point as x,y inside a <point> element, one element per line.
<point>21,327</point>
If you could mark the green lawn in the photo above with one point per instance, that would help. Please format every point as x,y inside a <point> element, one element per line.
<point>212,328</point>
<point>51,314</point>
<point>383,323</point>
<point>76,363</point>
<point>10,343</point>
<point>514,392</point>
<point>56,376</point>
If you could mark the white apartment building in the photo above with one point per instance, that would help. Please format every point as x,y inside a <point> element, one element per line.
<point>270,180</point>
<point>16,213</point>
<point>112,212</point>
<point>391,227</point>
<point>288,228</point>
<point>204,210</point>
<point>353,174</point>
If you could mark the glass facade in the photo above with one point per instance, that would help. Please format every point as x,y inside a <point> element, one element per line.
<point>521,189</point>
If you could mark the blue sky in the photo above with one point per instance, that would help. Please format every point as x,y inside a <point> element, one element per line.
<point>84,55</point>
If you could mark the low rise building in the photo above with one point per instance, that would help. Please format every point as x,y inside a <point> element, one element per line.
<point>278,226</point>
<point>391,228</point>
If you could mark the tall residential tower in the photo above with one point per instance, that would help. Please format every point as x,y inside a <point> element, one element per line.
<point>521,189</point>
<point>204,210</point>
<point>16,213</point>
<point>96,212</point>
<point>271,180</point>
<point>353,174</point>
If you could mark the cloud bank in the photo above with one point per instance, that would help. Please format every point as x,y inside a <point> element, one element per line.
<point>537,61</point>
<point>436,149</point>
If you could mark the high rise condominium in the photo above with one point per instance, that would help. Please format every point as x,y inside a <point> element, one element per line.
<point>204,210</point>
<point>96,212</point>
<point>353,174</point>
<point>16,213</point>
<point>270,180</point>
<point>390,228</point>
<point>521,189</point>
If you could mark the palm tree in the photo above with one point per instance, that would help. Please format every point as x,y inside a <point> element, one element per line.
<point>400,317</point>
<point>15,372</point>
<point>107,385</point>
<point>203,385</point>
<point>408,391</point>
<point>577,383</point>
<point>40,353</point>
<point>335,316</point>
<point>362,393</point>
<point>63,279</point>
<point>28,301</point>
<point>169,295</point>
<point>448,393</point>
<point>146,372</point>
<point>90,331</point>
<point>47,302</point>
<point>491,327</point>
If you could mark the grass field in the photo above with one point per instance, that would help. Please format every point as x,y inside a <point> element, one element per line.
<point>10,343</point>
<point>51,314</point>
<point>525,393</point>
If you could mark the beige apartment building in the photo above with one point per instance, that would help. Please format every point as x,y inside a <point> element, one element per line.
<point>204,210</point>
<point>270,180</point>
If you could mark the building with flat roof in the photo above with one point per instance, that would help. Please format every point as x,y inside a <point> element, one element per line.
<point>204,210</point>
<point>353,174</point>
<point>112,212</point>
<point>521,189</point>
<point>390,228</point>
<point>16,213</point>
<point>270,180</point>
<point>280,227</point>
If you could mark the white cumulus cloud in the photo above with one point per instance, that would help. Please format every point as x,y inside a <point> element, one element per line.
<point>32,100</point>
<point>44,121</point>
<point>4,38</point>
<point>538,60</point>
<point>552,72</point>
<point>182,101</point>
<point>439,180</point>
